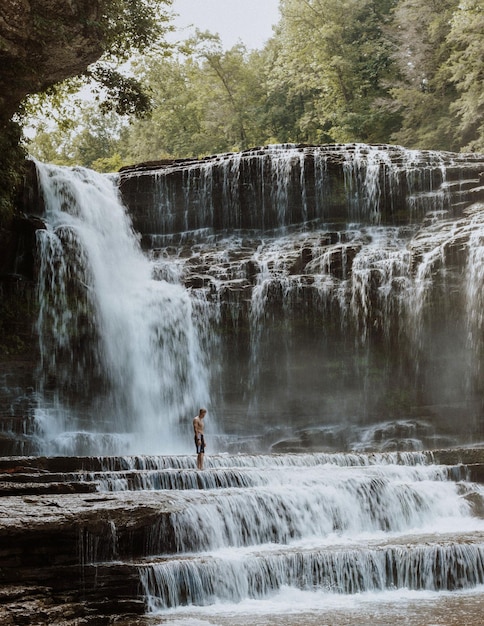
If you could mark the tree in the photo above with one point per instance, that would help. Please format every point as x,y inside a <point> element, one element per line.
<point>205,100</point>
<point>231,91</point>
<point>281,108</point>
<point>465,69</point>
<point>333,62</point>
<point>174,125</point>
<point>43,43</point>
<point>121,29</point>
<point>404,71</point>
<point>421,93</point>
<point>90,138</point>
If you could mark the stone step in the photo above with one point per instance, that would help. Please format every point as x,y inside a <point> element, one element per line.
<point>69,596</point>
<point>87,550</point>
<point>38,487</point>
<point>69,528</point>
<point>429,562</point>
<point>461,185</point>
<point>42,469</point>
<point>445,562</point>
<point>168,479</point>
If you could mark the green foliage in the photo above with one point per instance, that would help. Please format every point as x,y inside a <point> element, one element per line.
<point>332,65</point>
<point>124,28</point>
<point>421,91</point>
<point>465,69</point>
<point>92,140</point>
<point>122,94</point>
<point>321,78</point>
<point>174,127</point>
<point>12,156</point>
<point>205,100</point>
<point>231,92</point>
<point>129,26</point>
<point>108,164</point>
<point>376,71</point>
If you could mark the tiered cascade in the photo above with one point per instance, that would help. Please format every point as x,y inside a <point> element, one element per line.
<point>341,285</point>
<point>294,535</point>
<point>313,298</point>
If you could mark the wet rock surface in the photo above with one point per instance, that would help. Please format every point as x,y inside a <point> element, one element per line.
<point>332,256</point>
<point>332,285</point>
<point>271,187</point>
<point>60,553</point>
<point>71,558</point>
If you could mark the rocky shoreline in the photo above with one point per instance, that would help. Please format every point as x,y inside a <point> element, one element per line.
<point>60,556</point>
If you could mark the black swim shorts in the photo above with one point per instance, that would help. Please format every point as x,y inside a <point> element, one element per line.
<point>200,445</point>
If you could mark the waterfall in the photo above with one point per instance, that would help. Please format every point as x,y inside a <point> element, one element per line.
<point>325,303</point>
<point>309,538</point>
<point>324,297</point>
<point>474,298</point>
<point>122,369</point>
<point>343,284</point>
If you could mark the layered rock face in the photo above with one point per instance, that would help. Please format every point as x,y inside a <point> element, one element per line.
<point>19,354</point>
<point>93,540</point>
<point>67,550</point>
<point>328,296</point>
<point>277,187</point>
<point>42,42</point>
<point>335,299</point>
<point>343,281</point>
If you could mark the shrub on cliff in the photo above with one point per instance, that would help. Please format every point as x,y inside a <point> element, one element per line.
<point>45,42</point>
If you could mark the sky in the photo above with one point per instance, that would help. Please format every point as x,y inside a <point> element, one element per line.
<point>248,21</point>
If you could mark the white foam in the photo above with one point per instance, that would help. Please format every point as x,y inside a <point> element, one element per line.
<point>145,340</point>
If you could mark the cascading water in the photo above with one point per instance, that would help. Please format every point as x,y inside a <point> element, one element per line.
<point>343,286</point>
<point>305,539</point>
<point>324,296</point>
<point>121,362</point>
<point>330,298</point>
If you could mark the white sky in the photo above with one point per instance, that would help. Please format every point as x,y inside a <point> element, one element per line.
<point>248,21</point>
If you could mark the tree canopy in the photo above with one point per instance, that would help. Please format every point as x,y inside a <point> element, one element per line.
<point>376,71</point>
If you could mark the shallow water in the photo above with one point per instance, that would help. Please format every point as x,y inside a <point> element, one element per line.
<point>292,608</point>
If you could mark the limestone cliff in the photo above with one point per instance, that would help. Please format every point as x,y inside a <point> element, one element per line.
<point>43,42</point>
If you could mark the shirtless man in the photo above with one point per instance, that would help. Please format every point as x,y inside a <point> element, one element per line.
<point>198,427</point>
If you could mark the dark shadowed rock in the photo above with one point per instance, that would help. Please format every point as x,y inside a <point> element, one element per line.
<point>42,42</point>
